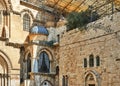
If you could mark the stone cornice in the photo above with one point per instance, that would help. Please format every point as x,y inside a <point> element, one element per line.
<point>15,45</point>
<point>16,12</point>
<point>30,5</point>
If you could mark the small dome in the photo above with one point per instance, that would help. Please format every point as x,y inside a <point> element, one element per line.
<point>39,30</point>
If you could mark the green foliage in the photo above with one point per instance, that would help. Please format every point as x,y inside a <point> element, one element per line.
<point>80,19</point>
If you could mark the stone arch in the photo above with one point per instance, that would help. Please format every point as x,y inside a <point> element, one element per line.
<point>50,56</point>
<point>7,60</point>
<point>26,54</point>
<point>3,72</point>
<point>27,65</point>
<point>92,78</point>
<point>46,83</point>
<point>30,17</point>
<point>6,5</point>
<point>3,5</point>
<point>3,65</point>
<point>48,52</point>
<point>28,12</point>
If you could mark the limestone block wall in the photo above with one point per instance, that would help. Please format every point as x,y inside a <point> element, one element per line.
<point>17,34</point>
<point>54,32</point>
<point>102,38</point>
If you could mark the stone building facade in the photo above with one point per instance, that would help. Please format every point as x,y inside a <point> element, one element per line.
<point>35,53</point>
<point>91,57</point>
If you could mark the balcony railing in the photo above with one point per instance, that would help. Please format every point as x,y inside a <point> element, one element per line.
<point>44,43</point>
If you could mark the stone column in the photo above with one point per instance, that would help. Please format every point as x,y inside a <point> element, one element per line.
<point>0,80</point>
<point>34,65</point>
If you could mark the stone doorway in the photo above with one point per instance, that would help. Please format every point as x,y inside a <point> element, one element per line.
<point>91,84</point>
<point>90,80</point>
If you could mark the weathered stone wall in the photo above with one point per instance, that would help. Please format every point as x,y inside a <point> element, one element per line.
<point>13,23</point>
<point>102,38</point>
<point>11,56</point>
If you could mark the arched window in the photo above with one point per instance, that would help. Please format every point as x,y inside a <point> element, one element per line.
<point>97,61</point>
<point>91,61</point>
<point>26,22</point>
<point>57,70</point>
<point>85,62</point>
<point>65,80</point>
<point>44,63</point>
<point>28,65</point>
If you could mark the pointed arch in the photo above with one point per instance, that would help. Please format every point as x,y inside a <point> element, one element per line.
<point>27,65</point>
<point>44,62</point>
<point>27,54</point>
<point>92,78</point>
<point>46,83</point>
<point>5,32</point>
<point>50,54</point>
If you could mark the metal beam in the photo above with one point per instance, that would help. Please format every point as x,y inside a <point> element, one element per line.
<point>67,5</point>
<point>79,5</point>
<point>56,3</point>
<point>102,5</point>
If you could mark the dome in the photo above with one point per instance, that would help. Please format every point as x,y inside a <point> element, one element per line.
<point>39,30</point>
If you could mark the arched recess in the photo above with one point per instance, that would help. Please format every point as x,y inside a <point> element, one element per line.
<point>50,54</point>
<point>92,78</point>
<point>7,60</point>
<point>50,57</point>
<point>46,83</point>
<point>7,4</point>
<point>5,67</point>
<point>27,65</point>
<point>3,5</point>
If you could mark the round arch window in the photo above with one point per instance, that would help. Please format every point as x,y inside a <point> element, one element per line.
<point>26,22</point>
